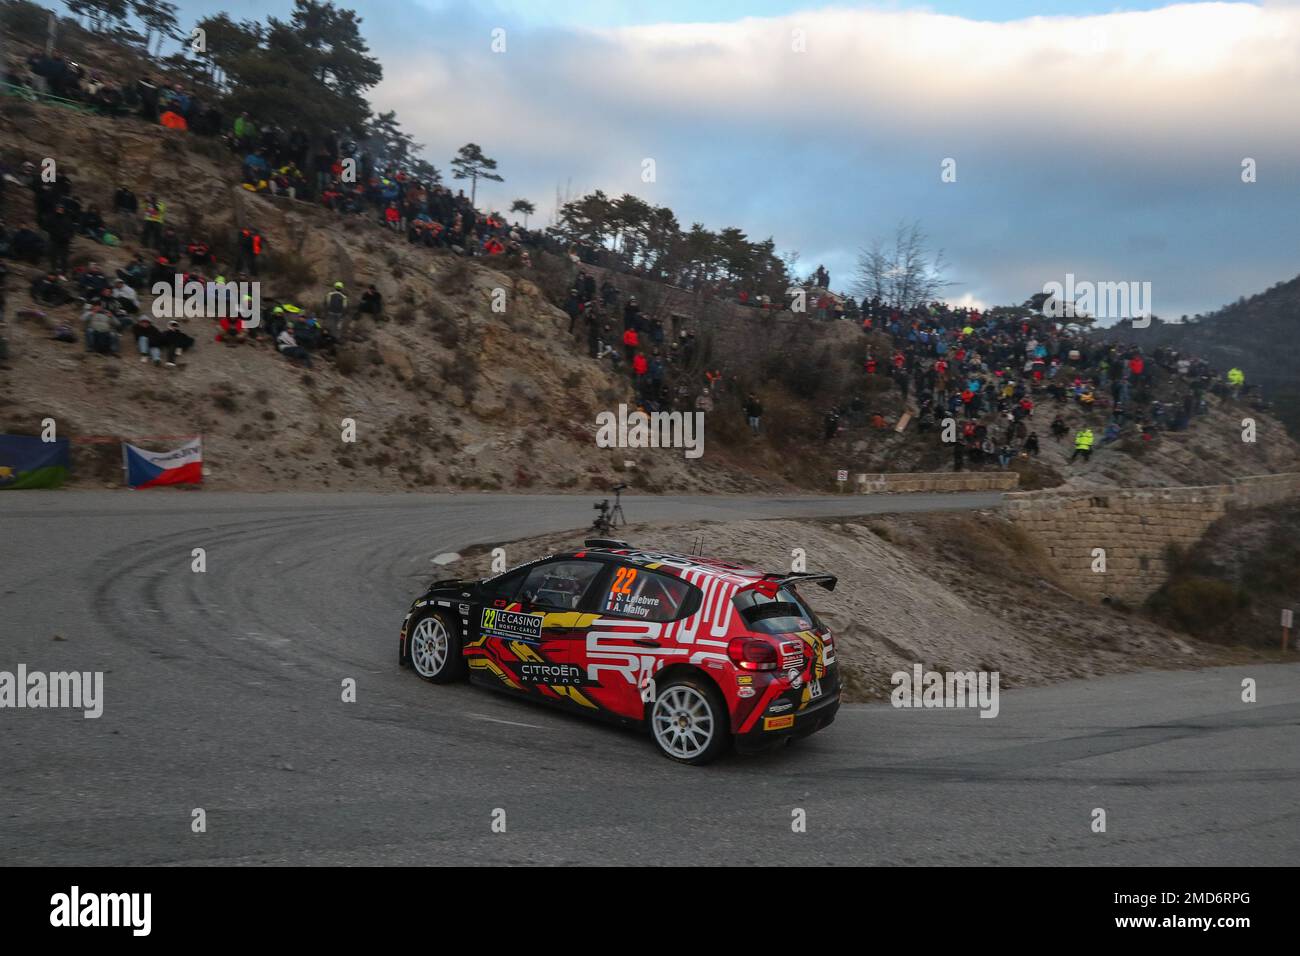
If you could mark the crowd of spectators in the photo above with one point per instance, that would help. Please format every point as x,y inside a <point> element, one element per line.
<point>988,373</point>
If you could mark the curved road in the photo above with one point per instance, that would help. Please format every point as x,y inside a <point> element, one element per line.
<point>223,692</point>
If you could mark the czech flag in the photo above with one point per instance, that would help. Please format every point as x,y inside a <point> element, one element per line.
<point>149,469</point>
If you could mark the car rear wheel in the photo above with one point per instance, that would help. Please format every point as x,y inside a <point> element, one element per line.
<point>688,721</point>
<point>435,648</point>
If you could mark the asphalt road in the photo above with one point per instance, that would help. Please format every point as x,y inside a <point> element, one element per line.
<point>223,692</point>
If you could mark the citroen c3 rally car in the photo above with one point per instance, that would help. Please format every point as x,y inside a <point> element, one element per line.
<point>700,651</point>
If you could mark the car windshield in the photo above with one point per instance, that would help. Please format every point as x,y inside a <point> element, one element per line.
<point>784,613</point>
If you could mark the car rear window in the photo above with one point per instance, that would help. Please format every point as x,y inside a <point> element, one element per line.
<point>784,613</point>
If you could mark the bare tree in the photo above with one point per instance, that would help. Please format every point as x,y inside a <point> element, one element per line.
<point>901,273</point>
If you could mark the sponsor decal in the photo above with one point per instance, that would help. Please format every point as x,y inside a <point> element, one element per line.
<point>792,654</point>
<point>512,624</point>
<point>744,691</point>
<point>778,723</point>
<point>795,680</point>
<point>819,653</point>
<point>559,674</point>
<point>779,706</point>
<point>744,679</point>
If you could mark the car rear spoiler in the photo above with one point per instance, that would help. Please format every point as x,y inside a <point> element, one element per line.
<point>827,581</point>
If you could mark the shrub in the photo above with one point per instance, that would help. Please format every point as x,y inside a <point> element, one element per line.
<point>1198,604</point>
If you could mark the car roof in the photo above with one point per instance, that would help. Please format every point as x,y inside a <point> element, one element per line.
<point>679,565</point>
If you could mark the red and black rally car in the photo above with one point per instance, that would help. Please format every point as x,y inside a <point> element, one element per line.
<point>701,651</point>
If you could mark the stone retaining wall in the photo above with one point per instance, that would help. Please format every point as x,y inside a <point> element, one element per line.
<point>1130,530</point>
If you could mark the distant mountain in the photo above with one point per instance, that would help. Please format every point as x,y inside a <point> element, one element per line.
<point>1260,335</point>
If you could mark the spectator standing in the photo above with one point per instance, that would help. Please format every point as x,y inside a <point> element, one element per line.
<point>336,308</point>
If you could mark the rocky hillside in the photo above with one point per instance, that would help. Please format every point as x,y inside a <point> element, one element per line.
<point>445,394</point>
<point>448,393</point>
<point>1260,334</point>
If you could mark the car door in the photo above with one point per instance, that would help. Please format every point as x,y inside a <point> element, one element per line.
<point>625,646</point>
<point>526,627</point>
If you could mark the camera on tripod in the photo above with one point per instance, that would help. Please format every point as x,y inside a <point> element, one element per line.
<point>609,518</point>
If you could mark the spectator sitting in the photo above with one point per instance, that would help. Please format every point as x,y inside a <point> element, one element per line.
<point>163,270</point>
<point>288,345</point>
<point>92,223</point>
<point>148,339</point>
<point>124,297</point>
<point>135,273</point>
<point>230,330</point>
<point>48,290</point>
<point>92,281</point>
<point>175,342</point>
<point>101,331</point>
<point>200,254</point>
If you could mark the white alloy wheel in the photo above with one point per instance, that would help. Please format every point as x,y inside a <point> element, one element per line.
<point>430,647</point>
<point>683,722</point>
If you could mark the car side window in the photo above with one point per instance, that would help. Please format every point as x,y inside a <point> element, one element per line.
<point>559,584</point>
<point>504,587</point>
<point>647,595</point>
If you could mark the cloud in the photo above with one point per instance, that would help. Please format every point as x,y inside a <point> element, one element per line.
<point>1109,146</point>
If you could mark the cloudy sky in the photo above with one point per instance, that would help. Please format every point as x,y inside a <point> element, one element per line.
<point>1102,139</point>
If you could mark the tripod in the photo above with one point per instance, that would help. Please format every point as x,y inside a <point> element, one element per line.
<point>609,518</point>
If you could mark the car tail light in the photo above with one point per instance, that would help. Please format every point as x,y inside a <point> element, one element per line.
<point>752,654</point>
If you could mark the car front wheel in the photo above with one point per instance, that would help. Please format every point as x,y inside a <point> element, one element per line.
<point>435,648</point>
<point>688,721</point>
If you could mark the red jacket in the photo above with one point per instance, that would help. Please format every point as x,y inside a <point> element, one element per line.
<point>639,364</point>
